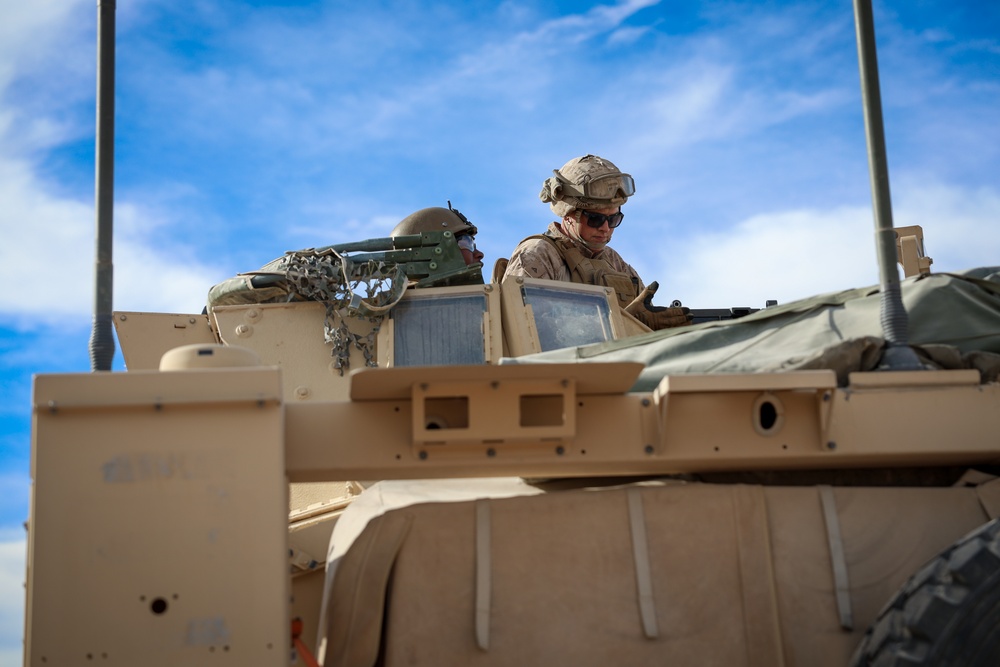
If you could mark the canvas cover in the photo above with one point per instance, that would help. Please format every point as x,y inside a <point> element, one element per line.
<point>722,575</point>
<point>954,319</point>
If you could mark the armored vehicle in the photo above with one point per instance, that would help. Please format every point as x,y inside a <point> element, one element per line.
<point>366,455</point>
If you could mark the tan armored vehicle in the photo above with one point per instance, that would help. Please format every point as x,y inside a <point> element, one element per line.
<point>365,455</point>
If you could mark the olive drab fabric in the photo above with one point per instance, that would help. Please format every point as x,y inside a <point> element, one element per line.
<point>839,330</point>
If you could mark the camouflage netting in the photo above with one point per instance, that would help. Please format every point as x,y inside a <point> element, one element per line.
<point>954,322</point>
<point>363,290</point>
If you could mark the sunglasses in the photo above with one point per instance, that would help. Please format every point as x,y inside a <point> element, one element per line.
<point>597,220</point>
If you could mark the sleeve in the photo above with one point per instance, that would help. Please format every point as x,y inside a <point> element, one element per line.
<point>536,258</point>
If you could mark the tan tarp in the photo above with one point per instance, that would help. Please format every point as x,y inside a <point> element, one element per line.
<point>737,575</point>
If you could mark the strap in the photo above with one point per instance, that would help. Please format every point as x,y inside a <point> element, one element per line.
<point>840,578</point>
<point>640,553</point>
<point>483,582</point>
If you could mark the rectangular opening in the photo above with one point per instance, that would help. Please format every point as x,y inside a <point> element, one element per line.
<point>542,410</point>
<point>446,412</point>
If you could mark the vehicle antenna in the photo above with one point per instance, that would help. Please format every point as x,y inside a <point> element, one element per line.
<point>898,354</point>
<point>102,342</point>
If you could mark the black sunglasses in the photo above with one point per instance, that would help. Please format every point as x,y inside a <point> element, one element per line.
<point>597,220</point>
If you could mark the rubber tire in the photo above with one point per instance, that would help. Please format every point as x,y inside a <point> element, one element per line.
<point>948,613</point>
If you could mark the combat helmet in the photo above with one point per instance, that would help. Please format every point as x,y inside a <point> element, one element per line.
<point>434,219</point>
<point>586,182</point>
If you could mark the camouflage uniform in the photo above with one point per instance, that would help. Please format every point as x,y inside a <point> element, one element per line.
<point>535,257</point>
<point>589,184</point>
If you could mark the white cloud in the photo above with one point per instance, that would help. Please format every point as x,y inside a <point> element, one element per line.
<point>50,252</point>
<point>961,225</point>
<point>12,577</point>
<point>787,255</point>
<point>783,255</point>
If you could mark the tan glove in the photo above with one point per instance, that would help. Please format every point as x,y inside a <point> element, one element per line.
<point>657,317</point>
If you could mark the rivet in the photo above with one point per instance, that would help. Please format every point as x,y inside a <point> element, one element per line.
<point>649,449</point>
<point>560,451</point>
<point>645,402</point>
<point>491,452</point>
<point>831,445</point>
<point>423,456</point>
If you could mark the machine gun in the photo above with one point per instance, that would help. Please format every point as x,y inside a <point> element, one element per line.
<point>700,315</point>
<point>365,285</point>
<point>371,281</point>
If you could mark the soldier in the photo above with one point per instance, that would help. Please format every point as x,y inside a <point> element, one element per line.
<point>436,219</point>
<point>587,194</point>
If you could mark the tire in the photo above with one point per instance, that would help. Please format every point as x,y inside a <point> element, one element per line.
<point>948,613</point>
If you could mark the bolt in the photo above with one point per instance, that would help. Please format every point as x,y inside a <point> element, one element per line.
<point>649,449</point>
<point>645,402</point>
<point>491,452</point>
<point>560,451</point>
<point>831,445</point>
<point>423,456</point>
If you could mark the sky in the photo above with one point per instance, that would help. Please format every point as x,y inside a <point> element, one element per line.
<point>245,128</point>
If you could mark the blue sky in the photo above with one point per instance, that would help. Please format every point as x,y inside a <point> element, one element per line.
<point>248,128</point>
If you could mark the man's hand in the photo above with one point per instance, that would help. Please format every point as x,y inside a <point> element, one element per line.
<point>657,317</point>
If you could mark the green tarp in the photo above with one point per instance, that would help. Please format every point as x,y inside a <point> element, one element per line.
<point>954,322</point>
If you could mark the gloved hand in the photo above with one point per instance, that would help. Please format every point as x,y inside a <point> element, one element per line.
<point>657,317</point>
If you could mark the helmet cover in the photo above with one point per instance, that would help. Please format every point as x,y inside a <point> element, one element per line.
<point>588,182</point>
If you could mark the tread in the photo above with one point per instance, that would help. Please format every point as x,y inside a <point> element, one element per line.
<point>948,613</point>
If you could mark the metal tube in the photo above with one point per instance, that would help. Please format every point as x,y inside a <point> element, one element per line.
<point>102,342</point>
<point>898,356</point>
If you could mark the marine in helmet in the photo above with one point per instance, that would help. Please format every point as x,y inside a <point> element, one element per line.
<point>587,194</point>
<point>436,219</point>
